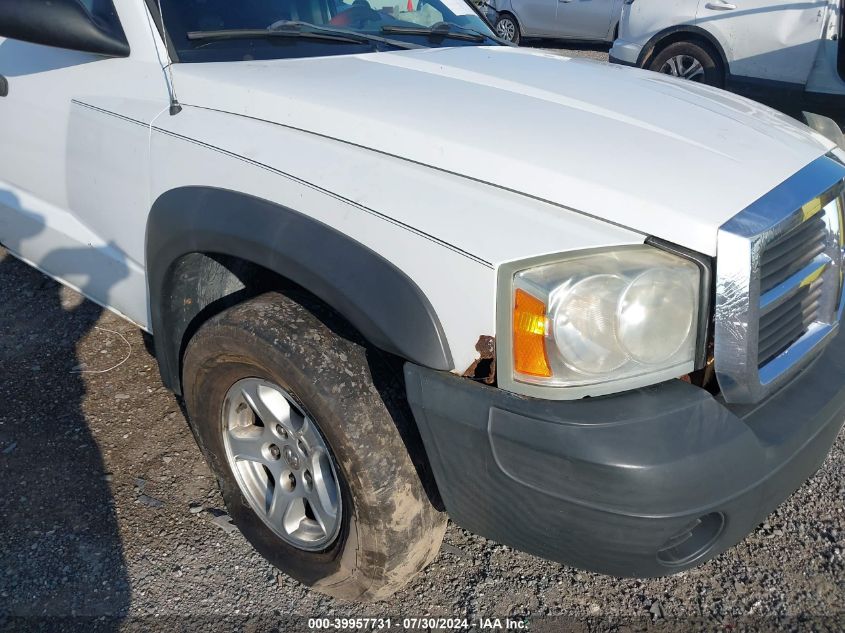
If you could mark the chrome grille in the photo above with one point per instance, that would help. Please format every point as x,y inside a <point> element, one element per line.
<point>784,325</point>
<point>787,261</point>
<point>792,252</point>
<point>779,282</point>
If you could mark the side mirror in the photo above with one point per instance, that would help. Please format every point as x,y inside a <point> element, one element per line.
<point>63,24</point>
<point>825,126</point>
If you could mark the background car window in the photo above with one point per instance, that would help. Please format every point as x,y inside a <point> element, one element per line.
<point>413,11</point>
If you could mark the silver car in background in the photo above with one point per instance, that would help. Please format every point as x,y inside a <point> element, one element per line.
<point>583,20</point>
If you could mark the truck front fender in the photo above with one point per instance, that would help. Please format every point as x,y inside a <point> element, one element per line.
<point>379,300</point>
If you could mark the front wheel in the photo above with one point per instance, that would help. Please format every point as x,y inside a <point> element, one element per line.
<point>507,28</point>
<point>691,61</point>
<point>305,430</point>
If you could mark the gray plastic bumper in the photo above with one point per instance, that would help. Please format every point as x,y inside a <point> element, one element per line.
<point>645,483</point>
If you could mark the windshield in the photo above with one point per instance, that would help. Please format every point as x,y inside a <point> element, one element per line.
<point>227,30</point>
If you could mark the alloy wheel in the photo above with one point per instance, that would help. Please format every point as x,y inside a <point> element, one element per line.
<point>282,464</point>
<point>685,67</point>
<point>506,29</point>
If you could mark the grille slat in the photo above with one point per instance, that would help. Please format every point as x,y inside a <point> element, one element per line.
<point>800,318</point>
<point>787,242</point>
<point>780,344</point>
<point>778,331</point>
<point>785,256</point>
<point>785,271</point>
<point>813,294</point>
<point>791,252</point>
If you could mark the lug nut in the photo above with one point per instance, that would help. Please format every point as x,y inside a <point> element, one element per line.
<point>281,431</point>
<point>291,458</point>
<point>275,452</point>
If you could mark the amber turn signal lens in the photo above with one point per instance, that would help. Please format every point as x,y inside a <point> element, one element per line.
<point>529,336</point>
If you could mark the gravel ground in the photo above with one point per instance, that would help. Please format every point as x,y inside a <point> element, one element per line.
<point>109,518</point>
<point>598,53</point>
<point>107,510</point>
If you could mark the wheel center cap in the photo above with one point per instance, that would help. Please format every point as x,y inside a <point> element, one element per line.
<point>291,458</point>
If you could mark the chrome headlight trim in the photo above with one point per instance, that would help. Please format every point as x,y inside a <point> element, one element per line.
<point>739,302</point>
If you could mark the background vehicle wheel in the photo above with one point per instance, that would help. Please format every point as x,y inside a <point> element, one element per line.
<point>507,28</point>
<point>690,60</point>
<point>305,429</point>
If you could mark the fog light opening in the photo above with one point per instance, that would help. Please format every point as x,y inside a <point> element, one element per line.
<point>693,542</point>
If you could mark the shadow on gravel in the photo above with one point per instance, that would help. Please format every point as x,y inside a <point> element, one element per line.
<point>61,557</point>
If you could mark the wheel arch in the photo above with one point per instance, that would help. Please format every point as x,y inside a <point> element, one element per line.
<point>209,248</point>
<point>681,33</point>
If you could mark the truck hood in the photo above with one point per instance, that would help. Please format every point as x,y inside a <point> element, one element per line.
<point>663,157</point>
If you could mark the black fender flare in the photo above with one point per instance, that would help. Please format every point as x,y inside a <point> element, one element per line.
<point>385,305</point>
<point>657,39</point>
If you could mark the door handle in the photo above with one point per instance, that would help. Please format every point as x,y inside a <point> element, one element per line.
<point>4,86</point>
<point>720,6</point>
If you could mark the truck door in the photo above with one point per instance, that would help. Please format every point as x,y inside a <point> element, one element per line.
<point>585,19</point>
<point>772,40</point>
<point>74,155</point>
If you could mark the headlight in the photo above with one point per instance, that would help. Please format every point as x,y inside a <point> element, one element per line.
<point>599,322</point>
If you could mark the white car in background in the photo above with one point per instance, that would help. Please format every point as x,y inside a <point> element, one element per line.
<point>775,51</point>
<point>582,20</point>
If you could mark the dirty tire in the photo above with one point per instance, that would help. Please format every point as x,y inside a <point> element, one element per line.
<point>710,73</point>
<point>389,529</point>
<point>508,28</point>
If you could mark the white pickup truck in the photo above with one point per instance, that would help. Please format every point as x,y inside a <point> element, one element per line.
<point>612,341</point>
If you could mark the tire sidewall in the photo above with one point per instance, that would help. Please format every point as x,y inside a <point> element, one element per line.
<point>713,72</point>
<point>205,397</point>
<point>389,528</point>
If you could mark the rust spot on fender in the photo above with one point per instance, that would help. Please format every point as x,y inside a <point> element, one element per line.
<point>483,368</point>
